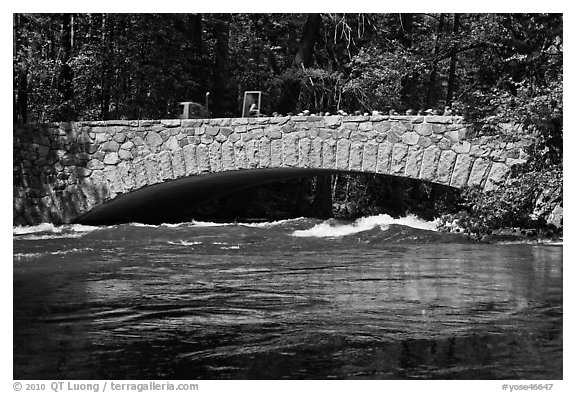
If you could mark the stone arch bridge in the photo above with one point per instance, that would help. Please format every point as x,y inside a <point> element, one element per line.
<point>102,171</point>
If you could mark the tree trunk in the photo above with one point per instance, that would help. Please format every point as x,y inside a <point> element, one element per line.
<point>291,89</point>
<point>408,82</point>
<point>195,31</point>
<point>310,33</point>
<point>107,40</point>
<point>65,85</point>
<point>20,98</point>
<point>453,61</point>
<point>221,101</point>
<point>432,79</point>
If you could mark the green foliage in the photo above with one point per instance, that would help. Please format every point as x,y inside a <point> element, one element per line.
<point>525,201</point>
<point>375,80</point>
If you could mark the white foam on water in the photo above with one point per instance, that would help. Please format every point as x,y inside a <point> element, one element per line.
<point>327,229</point>
<point>31,255</point>
<point>269,224</point>
<point>44,227</point>
<point>50,231</point>
<point>184,243</point>
<point>202,224</point>
<point>83,228</point>
<point>230,247</point>
<point>141,225</point>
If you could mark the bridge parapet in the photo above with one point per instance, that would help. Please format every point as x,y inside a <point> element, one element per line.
<point>63,170</point>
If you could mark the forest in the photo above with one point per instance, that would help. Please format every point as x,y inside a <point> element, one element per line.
<point>493,69</point>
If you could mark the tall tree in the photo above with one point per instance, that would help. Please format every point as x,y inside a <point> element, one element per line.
<point>222,103</point>
<point>453,60</point>
<point>291,89</point>
<point>65,79</point>
<point>20,97</point>
<point>430,96</point>
<point>107,41</point>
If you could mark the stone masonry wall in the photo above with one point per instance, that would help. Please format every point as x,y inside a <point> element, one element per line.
<point>61,171</point>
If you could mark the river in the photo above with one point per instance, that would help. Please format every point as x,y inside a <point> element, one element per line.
<point>379,298</point>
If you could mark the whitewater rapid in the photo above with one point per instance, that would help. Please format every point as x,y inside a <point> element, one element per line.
<point>337,229</point>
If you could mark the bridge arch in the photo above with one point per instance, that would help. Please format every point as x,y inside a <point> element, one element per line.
<point>65,172</point>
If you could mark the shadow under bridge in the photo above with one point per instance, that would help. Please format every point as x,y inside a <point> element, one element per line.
<point>177,200</point>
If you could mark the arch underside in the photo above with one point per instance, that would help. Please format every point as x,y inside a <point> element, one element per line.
<point>177,200</point>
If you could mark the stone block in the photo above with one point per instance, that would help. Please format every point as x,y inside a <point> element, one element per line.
<point>461,147</point>
<point>414,161</point>
<point>228,162</point>
<point>290,150</point>
<point>178,163</point>
<point>332,121</point>
<point>273,132</point>
<point>252,154</point>
<point>316,153</point>
<point>384,157</point>
<point>497,175</point>
<point>399,154</point>
<point>329,154</point>
<point>453,136</point>
<point>355,119</point>
<point>478,172</point>
<point>125,170</point>
<point>400,128</point>
<point>479,151</point>
<point>153,140</point>
<point>358,137</point>
<point>99,138</point>
<point>365,127</point>
<point>215,154</point>
<point>95,164</point>
<point>326,134</point>
<point>424,129</point>
<point>165,165</point>
<point>383,126</point>
<point>139,173</point>
<point>206,139</point>
<point>410,138</point>
<point>212,131</point>
<point>124,155</point>
<point>190,163</point>
<point>445,167</point>
<point>233,138</point>
<point>276,159</point>
<point>461,170</point>
<point>392,137</point>
<point>439,129</point>
<point>430,160</point>
<point>171,144</point>
<point>439,119</point>
<point>264,146</point>
<point>343,133</point>
<point>342,154</point>
<point>356,150</point>
<point>114,179</point>
<point>370,157</point>
<point>304,149</point>
<point>424,141</point>
<point>445,144</point>
<point>311,133</point>
<point>111,158</point>
<point>514,161</point>
<point>203,158</point>
<point>240,155</point>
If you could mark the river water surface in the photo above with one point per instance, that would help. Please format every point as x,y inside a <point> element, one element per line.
<point>299,299</point>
